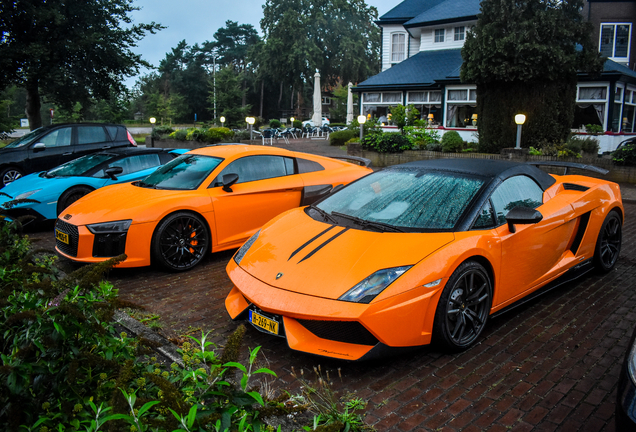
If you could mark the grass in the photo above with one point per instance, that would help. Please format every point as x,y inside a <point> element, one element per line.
<point>140,138</point>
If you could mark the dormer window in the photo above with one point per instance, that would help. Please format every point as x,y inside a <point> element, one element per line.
<point>439,35</point>
<point>398,47</point>
<point>615,40</point>
<point>459,33</point>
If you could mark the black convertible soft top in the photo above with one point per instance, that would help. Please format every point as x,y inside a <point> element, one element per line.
<point>491,169</point>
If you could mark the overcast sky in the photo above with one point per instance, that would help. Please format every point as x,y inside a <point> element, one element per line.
<point>197,20</point>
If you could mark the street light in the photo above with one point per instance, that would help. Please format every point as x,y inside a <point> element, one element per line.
<point>292,121</point>
<point>520,119</point>
<point>362,120</point>
<point>222,121</point>
<point>152,134</point>
<point>250,121</point>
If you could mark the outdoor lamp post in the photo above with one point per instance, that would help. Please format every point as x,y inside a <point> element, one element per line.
<point>250,121</point>
<point>292,121</point>
<point>222,121</point>
<point>362,120</point>
<point>520,119</point>
<point>152,133</point>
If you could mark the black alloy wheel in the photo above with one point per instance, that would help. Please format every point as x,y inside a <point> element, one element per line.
<point>463,307</point>
<point>608,244</point>
<point>9,175</point>
<point>180,241</point>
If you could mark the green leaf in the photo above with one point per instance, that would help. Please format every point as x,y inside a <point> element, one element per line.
<point>265,370</point>
<point>236,365</point>
<point>146,407</point>
<point>257,396</point>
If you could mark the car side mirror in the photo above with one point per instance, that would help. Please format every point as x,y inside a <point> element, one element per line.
<point>113,171</point>
<point>228,181</point>
<point>522,216</point>
<point>39,147</point>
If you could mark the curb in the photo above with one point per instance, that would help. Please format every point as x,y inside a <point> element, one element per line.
<point>166,349</point>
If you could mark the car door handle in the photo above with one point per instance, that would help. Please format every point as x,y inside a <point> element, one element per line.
<point>106,147</point>
<point>67,154</point>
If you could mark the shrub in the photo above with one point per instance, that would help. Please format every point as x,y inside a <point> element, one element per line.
<point>337,125</point>
<point>389,142</point>
<point>275,124</point>
<point>241,135</point>
<point>593,129</point>
<point>216,135</point>
<point>434,147</point>
<point>298,124</point>
<point>161,131</point>
<point>452,142</point>
<point>195,134</point>
<point>587,144</point>
<point>179,135</point>
<point>339,138</point>
<point>625,155</point>
<point>354,140</point>
<point>421,137</point>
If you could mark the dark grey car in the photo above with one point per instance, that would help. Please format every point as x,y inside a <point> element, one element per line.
<point>50,146</point>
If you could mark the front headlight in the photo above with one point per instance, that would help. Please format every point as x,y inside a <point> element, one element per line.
<point>26,194</point>
<point>110,227</point>
<point>370,287</point>
<point>631,362</point>
<point>243,250</point>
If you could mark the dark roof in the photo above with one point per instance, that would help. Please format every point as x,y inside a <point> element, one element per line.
<point>421,70</point>
<point>407,10</point>
<point>612,66</point>
<point>489,168</point>
<point>445,12</point>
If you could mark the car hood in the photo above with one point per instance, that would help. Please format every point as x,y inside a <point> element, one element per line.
<point>125,201</point>
<point>299,254</point>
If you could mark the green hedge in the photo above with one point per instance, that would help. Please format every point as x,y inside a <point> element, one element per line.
<point>340,138</point>
<point>389,142</point>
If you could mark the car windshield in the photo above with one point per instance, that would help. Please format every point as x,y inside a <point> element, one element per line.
<point>185,172</point>
<point>79,166</point>
<point>409,199</point>
<point>25,139</point>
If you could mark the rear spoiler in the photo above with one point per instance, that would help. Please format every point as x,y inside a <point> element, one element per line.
<point>355,159</point>
<point>567,165</point>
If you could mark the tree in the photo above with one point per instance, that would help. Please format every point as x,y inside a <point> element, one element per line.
<point>68,50</point>
<point>524,58</point>
<point>229,94</point>
<point>336,37</point>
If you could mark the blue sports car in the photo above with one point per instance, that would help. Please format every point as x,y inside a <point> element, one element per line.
<point>46,194</point>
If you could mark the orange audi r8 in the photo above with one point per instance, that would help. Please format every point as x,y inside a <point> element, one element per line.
<point>209,199</point>
<point>421,252</point>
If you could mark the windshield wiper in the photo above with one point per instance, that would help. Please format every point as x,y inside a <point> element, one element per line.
<point>326,216</point>
<point>381,226</point>
<point>143,184</point>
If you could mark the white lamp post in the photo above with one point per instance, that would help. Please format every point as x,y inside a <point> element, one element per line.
<point>362,120</point>
<point>250,121</point>
<point>520,119</point>
<point>152,133</point>
<point>222,121</point>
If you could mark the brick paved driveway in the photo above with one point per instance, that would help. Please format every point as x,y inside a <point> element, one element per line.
<point>549,365</point>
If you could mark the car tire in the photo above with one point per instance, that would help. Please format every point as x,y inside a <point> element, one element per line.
<point>9,174</point>
<point>608,242</point>
<point>70,196</point>
<point>463,307</point>
<point>180,241</point>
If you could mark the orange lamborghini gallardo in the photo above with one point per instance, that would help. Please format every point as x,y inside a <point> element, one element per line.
<point>421,252</point>
<point>209,199</point>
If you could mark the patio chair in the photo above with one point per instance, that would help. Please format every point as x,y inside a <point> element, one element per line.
<point>268,134</point>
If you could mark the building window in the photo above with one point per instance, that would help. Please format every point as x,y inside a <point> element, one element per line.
<point>615,40</point>
<point>439,35</point>
<point>461,105</point>
<point>326,100</point>
<point>459,33</point>
<point>427,103</point>
<point>591,106</point>
<point>398,47</point>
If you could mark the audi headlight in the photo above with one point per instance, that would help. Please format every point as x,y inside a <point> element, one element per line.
<point>110,227</point>
<point>370,287</point>
<point>243,250</point>
<point>26,194</point>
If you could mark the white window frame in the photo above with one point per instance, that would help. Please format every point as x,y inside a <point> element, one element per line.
<point>461,34</point>
<point>439,34</point>
<point>597,101</point>
<point>395,54</point>
<point>629,40</point>
<point>468,101</point>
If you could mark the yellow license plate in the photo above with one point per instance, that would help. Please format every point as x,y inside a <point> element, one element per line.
<point>265,323</point>
<point>63,237</point>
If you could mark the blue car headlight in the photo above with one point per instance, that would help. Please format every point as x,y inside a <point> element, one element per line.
<point>243,250</point>
<point>25,195</point>
<point>631,363</point>
<point>370,287</point>
<point>115,227</point>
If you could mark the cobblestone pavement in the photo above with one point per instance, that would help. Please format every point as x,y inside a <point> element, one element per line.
<point>550,365</point>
